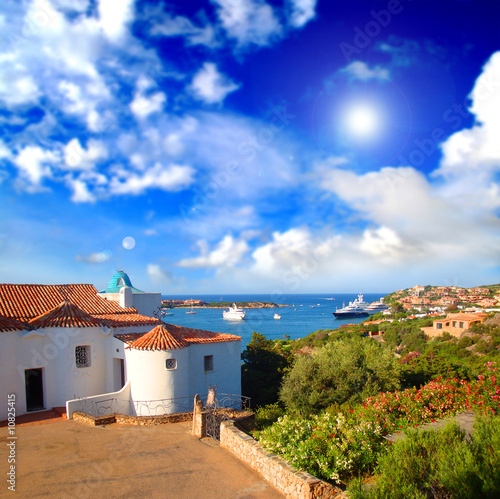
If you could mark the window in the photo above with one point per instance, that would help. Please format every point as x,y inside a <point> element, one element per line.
<point>461,325</point>
<point>120,282</point>
<point>171,364</point>
<point>82,356</point>
<point>439,325</point>
<point>209,362</point>
<point>454,323</point>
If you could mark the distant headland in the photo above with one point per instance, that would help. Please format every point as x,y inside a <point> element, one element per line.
<point>191,303</point>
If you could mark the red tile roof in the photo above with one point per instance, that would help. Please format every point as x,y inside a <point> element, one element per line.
<point>179,334</point>
<point>10,324</point>
<point>129,317</point>
<point>158,338</point>
<point>26,302</point>
<point>67,314</point>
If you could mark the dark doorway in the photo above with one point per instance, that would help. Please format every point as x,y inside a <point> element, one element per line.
<point>34,389</point>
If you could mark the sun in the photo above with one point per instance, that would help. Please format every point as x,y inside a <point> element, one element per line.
<point>362,120</point>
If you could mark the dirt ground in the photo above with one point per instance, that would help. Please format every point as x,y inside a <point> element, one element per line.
<point>70,459</point>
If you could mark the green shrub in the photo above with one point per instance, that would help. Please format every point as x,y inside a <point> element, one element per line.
<point>267,415</point>
<point>346,370</point>
<point>439,464</point>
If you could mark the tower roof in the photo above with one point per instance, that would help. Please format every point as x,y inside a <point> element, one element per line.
<point>159,338</point>
<point>119,280</point>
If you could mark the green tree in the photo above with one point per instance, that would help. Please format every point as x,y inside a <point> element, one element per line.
<point>264,364</point>
<point>346,370</point>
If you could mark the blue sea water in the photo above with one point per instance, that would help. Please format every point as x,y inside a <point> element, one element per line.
<point>306,313</point>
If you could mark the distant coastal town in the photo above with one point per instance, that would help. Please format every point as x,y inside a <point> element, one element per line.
<point>427,297</point>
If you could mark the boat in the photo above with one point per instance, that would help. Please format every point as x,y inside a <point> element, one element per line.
<point>377,306</point>
<point>164,313</point>
<point>356,308</point>
<point>234,313</point>
<point>277,316</point>
<point>190,312</point>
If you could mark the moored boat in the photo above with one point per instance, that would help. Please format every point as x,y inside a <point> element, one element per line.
<point>234,313</point>
<point>356,308</point>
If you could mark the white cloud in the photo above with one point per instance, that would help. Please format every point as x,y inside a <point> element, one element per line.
<point>78,158</point>
<point>302,11</point>
<point>361,71</point>
<point>382,242</point>
<point>171,178</point>
<point>158,275</point>
<point>4,151</point>
<point>295,247</point>
<point>227,253</point>
<point>81,192</point>
<point>168,26</point>
<point>114,17</point>
<point>211,86</point>
<point>249,21</point>
<point>142,106</point>
<point>34,164</point>
<point>100,257</point>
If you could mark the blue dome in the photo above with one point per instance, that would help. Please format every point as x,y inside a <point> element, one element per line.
<point>118,281</point>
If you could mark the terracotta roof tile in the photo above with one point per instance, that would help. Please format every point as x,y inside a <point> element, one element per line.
<point>199,335</point>
<point>10,324</point>
<point>158,338</point>
<point>27,301</point>
<point>179,334</point>
<point>67,314</point>
<point>129,317</point>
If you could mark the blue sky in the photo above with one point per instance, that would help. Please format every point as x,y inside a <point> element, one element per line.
<point>283,146</point>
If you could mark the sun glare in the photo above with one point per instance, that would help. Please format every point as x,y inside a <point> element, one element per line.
<point>362,121</point>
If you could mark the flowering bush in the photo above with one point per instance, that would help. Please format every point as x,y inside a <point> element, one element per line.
<point>336,447</point>
<point>325,445</point>
<point>437,399</point>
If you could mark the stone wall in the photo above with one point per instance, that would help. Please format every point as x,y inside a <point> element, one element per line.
<point>277,472</point>
<point>133,420</point>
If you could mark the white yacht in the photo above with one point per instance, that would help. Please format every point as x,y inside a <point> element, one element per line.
<point>356,308</point>
<point>377,306</point>
<point>277,316</point>
<point>234,313</point>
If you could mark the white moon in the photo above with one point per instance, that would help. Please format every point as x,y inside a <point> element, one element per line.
<point>362,121</point>
<point>128,242</point>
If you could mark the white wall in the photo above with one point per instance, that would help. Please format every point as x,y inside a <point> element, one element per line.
<point>146,303</point>
<point>120,404</point>
<point>150,380</point>
<point>54,352</point>
<point>227,367</point>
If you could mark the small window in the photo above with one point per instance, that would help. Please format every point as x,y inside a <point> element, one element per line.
<point>454,323</point>
<point>171,364</point>
<point>439,325</point>
<point>461,325</point>
<point>209,362</point>
<point>82,356</point>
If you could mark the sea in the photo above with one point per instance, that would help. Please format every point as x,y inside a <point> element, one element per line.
<point>304,314</point>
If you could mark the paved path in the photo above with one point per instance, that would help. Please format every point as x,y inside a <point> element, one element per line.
<point>70,459</point>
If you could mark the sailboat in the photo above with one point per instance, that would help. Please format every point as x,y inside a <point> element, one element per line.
<point>191,311</point>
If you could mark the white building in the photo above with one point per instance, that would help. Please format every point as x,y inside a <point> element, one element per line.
<point>65,342</point>
<point>120,289</point>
